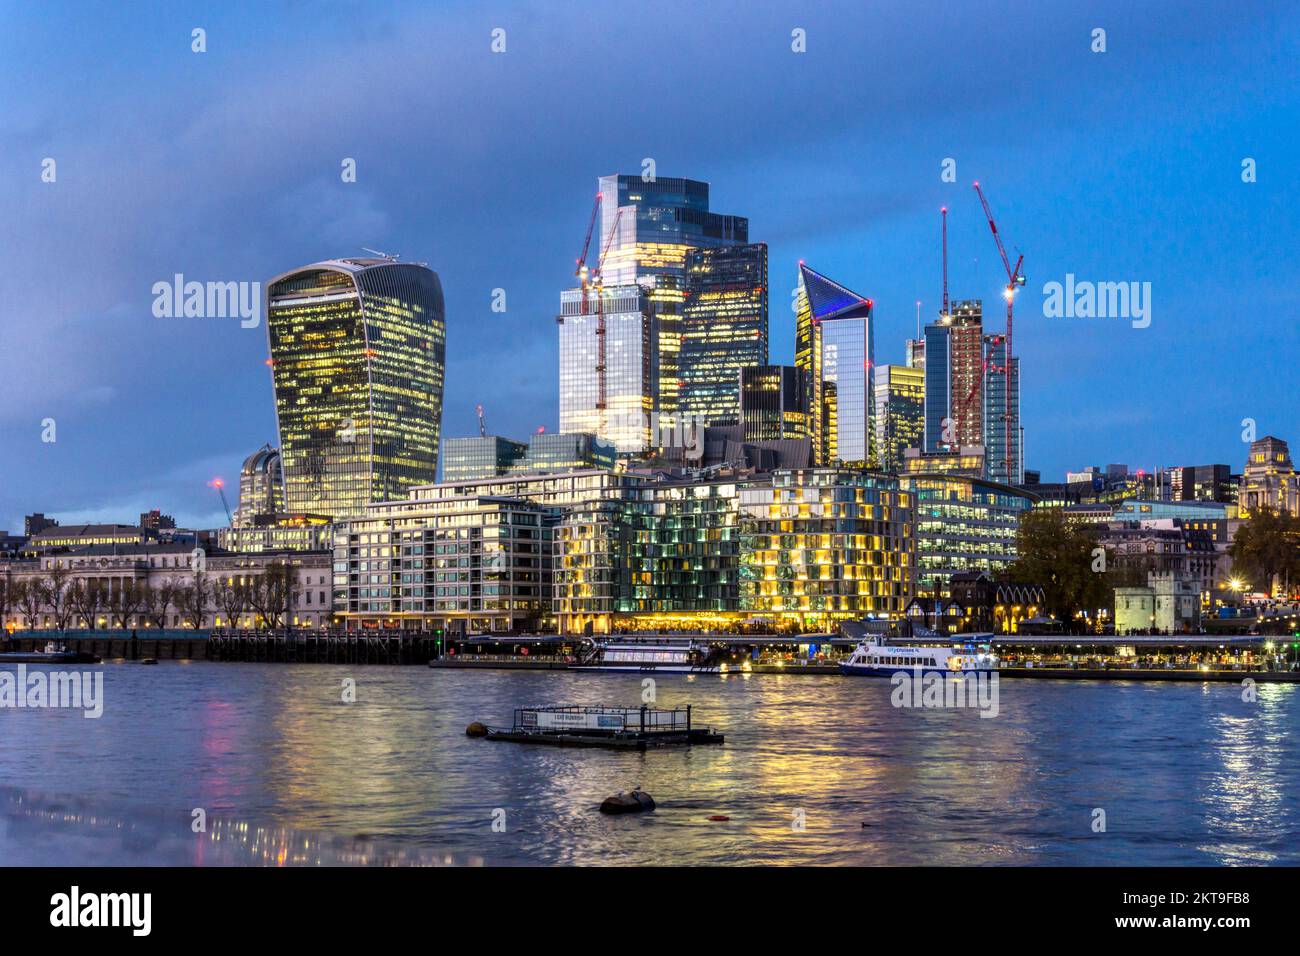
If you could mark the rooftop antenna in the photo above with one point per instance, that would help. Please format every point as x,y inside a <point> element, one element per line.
<point>390,256</point>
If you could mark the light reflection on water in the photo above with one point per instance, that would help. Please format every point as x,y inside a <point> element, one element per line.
<point>1187,774</point>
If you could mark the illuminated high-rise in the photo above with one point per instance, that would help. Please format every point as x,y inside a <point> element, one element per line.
<point>900,413</point>
<point>773,403</point>
<point>261,486</point>
<point>1002,415</point>
<point>835,346</point>
<point>358,353</point>
<point>954,378</point>
<point>723,329</point>
<point>647,228</point>
<point>607,365</point>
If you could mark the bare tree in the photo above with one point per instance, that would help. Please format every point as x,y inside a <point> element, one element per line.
<point>8,596</point>
<point>232,596</point>
<point>30,598</point>
<point>192,599</point>
<point>127,599</point>
<point>54,589</point>
<point>158,598</point>
<point>270,592</point>
<point>85,598</point>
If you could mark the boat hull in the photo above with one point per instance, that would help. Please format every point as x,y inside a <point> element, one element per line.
<point>646,668</point>
<point>36,657</point>
<point>876,670</point>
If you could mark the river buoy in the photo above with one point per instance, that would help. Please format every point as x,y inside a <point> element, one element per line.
<point>476,729</point>
<point>628,802</point>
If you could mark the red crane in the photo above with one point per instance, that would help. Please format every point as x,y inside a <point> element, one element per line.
<point>1015,279</point>
<point>581,271</point>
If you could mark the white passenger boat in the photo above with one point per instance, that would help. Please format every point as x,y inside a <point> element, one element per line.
<point>663,655</point>
<point>873,659</point>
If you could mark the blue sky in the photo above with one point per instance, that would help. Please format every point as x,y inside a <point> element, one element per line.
<point>1118,166</point>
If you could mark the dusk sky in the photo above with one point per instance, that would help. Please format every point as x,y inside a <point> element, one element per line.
<point>225,166</point>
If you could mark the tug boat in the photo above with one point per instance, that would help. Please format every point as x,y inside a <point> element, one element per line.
<point>871,658</point>
<point>661,655</point>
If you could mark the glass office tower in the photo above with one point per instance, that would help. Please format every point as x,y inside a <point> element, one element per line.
<point>261,487</point>
<point>611,393</point>
<point>938,389</point>
<point>834,345</point>
<point>648,228</point>
<point>358,353</point>
<point>480,456</point>
<point>773,403</point>
<point>900,413</point>
<point>723,329</point>
<point>1002,408</point>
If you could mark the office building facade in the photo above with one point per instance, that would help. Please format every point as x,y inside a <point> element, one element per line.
<point>774,403</point>
<point>834,345</point>
<point>723,329</point>
<point>358,358</point>
<point>900,413</point>
<point>261,486</point>
<point>954,378</point>
<point>480,456</point>
<point>963,523</point>
<point>648,228</point>
<point>1004,462</point>
<point>607,365</point>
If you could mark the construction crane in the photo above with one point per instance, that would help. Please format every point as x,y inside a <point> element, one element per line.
<point>220,485</point>
<point>581,271</point>
<point>944,312</point>
<point>597,282</point>
<point>1015,279</point>
<point>482,425</point>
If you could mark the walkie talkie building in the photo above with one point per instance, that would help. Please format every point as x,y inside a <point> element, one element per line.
<point>358,357</point>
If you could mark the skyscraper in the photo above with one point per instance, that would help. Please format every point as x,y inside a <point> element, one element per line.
<point>723,329</point>
<point>607,365</point>
<point>648,228</point>
<point>835,345</point>
<point>900,413</point>
<point>358,353</point>
<point>954,378</point>
<point>261,486</point>
<point>1002,416</point>
<point>774,403</point>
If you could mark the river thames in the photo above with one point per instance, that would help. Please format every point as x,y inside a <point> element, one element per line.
<point>815,770</point>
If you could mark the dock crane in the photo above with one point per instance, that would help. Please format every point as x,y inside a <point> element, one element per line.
<point>1015,279</point>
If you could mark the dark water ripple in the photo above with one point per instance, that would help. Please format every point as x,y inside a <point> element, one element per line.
<point>1187,774</point>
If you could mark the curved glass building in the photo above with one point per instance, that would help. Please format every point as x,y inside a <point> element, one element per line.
<point>261,486</point>
<point>358,357</point>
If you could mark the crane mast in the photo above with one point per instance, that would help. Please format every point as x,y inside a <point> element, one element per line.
<point>1015,279</point>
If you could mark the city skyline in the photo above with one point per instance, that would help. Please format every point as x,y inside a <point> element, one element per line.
<point>149,409</point>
